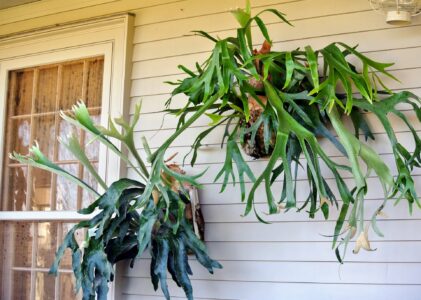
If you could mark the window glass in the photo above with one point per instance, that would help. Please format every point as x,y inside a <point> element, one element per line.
<point>35,98</point>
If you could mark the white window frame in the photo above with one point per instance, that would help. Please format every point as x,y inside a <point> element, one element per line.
<point>110,37</point>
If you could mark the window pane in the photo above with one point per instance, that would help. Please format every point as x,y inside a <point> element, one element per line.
<point>64,130</point>
<point>23,254</point>
<point>21,246</point>
<point>15,184</point>
<point>67,287</point>
<point>44,134</point>
<point>45,286</point>
<point>94,88</point>
<point>46,90</point>
<point>67,191</point>
<point>2,258</point>
<point>72,82</point>
<point>15,251</point>
<point>41,189</point>
<point>20,92</point>
<point>20,135</point>
<point>66,261</point>
<point>92,144</point>
<point>21,285</point>
<point>87,197</point>
<point>46,244</point>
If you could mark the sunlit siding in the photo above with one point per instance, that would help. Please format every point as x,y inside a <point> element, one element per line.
<point>289,259</point>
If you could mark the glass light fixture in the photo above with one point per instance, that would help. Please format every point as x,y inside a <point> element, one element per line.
<point>398,12</point>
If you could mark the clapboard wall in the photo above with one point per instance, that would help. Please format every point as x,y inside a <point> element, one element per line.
<point>289,259</point>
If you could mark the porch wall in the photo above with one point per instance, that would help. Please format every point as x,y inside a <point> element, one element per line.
<point>289,259</point>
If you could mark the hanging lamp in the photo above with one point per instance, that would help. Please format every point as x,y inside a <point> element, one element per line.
<point>398,12</point>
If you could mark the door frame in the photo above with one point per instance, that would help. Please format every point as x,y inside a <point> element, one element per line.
<point>110,37</point>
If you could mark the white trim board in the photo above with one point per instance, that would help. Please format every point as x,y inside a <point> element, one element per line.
<point>39,216</point>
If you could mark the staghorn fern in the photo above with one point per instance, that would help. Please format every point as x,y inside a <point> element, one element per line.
<point>302,100</point>
<point>119,230</point>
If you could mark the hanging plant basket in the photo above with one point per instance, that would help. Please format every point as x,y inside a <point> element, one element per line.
<point>256,143</point>
<point>192,211</point>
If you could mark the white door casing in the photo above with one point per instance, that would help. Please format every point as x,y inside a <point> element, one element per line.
<point>110,37</point>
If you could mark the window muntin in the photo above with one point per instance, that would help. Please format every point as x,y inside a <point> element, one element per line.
<point>25,266</point>
<point>35,97</point>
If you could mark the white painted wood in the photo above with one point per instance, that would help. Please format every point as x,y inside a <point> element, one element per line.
<point>168,66</point>
<point>214,138</point>
<point>211,152</point>
<point>321,251</point>
<point>188,9</point>
<point>234,213</point>
<point>282,251</point>
<point>61,216</point>
<point>139,288</point>
<point>156,86</point>
<point>11,3</point>
<point>217,22</point>
<point>266,271</point>
<point>381,36</point>
<point>258,167</point>
<point>50,13</point>
<point>210,193</point>
<point>164,121</point>
<point>281,33</point>
<point>311,231</point>
<point>46,7</point>
<point>153,104</point>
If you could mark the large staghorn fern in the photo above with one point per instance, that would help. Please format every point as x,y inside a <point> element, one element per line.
<point>303,95</point>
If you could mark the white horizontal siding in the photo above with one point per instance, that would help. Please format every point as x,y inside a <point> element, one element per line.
<point>140,288</point>
<point>309,28</point>
<point>291,258</point>
<point>209,195</point>
<point>212,145</point>
<point>269,271</point>
<point>154,85</point>
<point>155,138</point>
<point>161,67</point>
<point>284,251</point>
